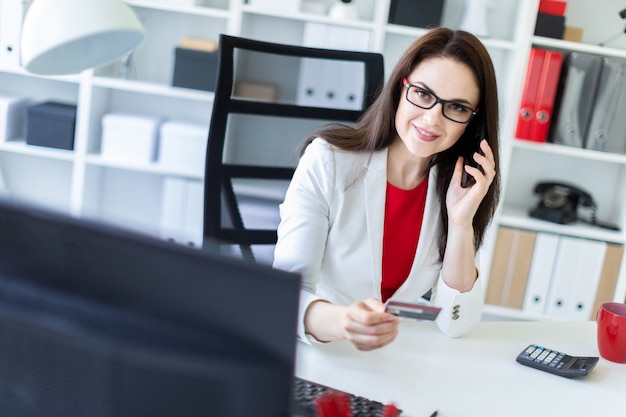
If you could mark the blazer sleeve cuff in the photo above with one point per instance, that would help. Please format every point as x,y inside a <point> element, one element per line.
<point>306,298</point>
<point>459,311</point>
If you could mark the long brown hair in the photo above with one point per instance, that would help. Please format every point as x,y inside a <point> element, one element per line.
<point>376,128</point>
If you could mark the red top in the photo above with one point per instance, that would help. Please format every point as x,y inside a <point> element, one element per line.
<point>404,210</point>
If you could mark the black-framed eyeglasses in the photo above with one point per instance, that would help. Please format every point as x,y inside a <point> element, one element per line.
<point>426,99</point>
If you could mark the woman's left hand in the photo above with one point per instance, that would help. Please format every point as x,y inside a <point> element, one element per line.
<point>462,203</point>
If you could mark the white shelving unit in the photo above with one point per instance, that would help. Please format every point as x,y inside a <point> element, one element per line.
<point>602,174</point>
<point>84,184</point>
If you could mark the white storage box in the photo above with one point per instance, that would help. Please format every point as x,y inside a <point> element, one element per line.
<point>182,146</point>
<point>12,117</point>
<point>129,138</point>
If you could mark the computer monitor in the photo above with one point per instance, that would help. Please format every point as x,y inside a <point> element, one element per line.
<point>100,321</point>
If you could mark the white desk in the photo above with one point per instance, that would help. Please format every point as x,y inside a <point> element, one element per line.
<point>475,375</point>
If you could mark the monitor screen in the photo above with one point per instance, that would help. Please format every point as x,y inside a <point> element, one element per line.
<point>100,321</point>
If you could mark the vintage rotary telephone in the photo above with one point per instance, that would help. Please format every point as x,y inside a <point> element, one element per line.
<point>559,202</point>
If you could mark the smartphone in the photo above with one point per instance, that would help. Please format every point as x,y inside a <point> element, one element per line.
<point>467,180</point>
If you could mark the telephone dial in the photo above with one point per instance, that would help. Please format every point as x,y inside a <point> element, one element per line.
<point>559,202</point>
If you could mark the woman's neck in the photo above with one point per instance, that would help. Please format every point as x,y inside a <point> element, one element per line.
<point>405,171</point>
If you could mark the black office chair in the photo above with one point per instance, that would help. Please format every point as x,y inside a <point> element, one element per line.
<point>269,97</point>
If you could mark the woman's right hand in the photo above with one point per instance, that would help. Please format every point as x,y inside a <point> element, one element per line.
<point>364,323</point>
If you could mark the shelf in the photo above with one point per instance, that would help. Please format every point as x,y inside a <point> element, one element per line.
<point>500,44</point>
<point>172,8</point>
<point>308,17</point>
<point>417,32</point>
<point>551,148</point>
<point>153,88</point>
<point>512,314</point>
<point>517,217</point>
<point>494,312</point>
<point>20,147</point>
<point>151,168</point>
<point>70,79</point>
<point>263,190</point>
<point>405,30</point>
<point>578,47</point>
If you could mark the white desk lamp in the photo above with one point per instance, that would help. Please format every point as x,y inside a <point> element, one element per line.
<point>69,36</point>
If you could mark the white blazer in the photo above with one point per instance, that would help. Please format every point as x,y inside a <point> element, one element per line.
<point>331,232</point>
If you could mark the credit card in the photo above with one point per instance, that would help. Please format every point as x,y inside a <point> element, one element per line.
<point>411,310</point>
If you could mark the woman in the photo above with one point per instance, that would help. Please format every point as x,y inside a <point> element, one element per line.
<point>377,211</point>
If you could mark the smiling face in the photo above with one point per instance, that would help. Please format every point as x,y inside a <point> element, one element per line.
<point>425,132</point>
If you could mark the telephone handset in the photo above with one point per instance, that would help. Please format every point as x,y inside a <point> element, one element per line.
<point>467,179</point>
<point>559,202</point>
<point>550,188</point>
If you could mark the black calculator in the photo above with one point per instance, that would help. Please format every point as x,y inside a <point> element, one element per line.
<point>556,362</point>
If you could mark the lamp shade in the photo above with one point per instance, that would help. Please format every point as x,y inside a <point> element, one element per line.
<point>69,36</point>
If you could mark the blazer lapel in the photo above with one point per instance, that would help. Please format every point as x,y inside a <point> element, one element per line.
<point>374,190</point>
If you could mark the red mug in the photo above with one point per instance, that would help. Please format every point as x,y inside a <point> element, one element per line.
<point>611,326</point>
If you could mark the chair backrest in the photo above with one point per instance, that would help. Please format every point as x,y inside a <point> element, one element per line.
<point>269,97</point>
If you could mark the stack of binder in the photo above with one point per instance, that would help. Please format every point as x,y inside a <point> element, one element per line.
<point>540,86</point>
<point>591,94</point>
<point>553,276</point>
<point>332,84</point>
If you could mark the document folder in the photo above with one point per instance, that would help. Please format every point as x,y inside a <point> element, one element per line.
<point>575,98</point>
<point>607,129</point>
<point>527,108</point>
<point>546,92</point>
<point>540,273</point>
<point>608,276</point>
<point>509,271</point>
<point>577,268</point>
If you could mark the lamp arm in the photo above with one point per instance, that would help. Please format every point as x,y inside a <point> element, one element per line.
<point>622,14</point>
<point>612,38</point>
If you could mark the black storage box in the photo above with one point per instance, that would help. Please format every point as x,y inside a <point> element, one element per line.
<point>51,124</point>
<point>195,69</point>
<point>417,13</point>
<point>550,26</point>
